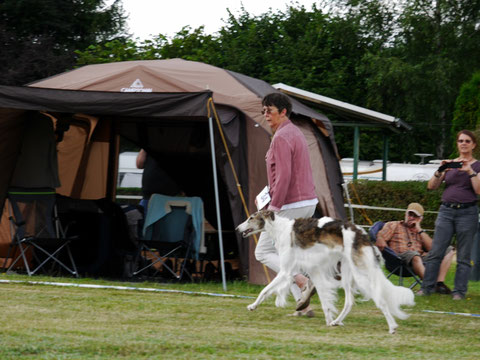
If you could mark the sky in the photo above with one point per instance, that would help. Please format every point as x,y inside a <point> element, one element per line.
<point>147,17</point>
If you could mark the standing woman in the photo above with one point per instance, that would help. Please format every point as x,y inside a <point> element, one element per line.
<point>458,215</point>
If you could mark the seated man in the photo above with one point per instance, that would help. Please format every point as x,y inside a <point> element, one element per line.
<point>412,244</point>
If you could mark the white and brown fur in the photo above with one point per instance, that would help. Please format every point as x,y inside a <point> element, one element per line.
<point>316,247</point>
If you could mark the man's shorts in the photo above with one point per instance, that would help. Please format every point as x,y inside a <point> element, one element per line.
<point>407,256</point>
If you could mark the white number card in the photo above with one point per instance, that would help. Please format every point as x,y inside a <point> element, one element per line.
<point>263,198</point>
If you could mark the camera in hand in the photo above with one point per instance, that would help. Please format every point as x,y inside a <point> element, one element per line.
<point>451,165</point>
<point>454,165</point>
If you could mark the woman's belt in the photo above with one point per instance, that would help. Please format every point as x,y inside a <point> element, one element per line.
<point>459,205</point>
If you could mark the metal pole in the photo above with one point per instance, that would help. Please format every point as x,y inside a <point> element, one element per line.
<point>217,203</point>
<point>385,156</point>
<point>356,151</point>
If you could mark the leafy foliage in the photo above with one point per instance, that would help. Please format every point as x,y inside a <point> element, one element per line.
<point>417,74</point>
<point>38,38</point>
<point>467,109</point>
<point>407,59</point>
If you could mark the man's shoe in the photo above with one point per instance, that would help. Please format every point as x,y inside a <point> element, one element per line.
<point>458,297</point>
<point>441,288</point>
<point>307,293</point>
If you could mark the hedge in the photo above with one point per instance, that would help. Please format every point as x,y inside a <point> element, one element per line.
<point>389,194</point>
<point>129,191</point>
<point>392,194</point>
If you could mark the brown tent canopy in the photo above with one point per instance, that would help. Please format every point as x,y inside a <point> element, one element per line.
<point>17,102</point>
<point>139,101</point>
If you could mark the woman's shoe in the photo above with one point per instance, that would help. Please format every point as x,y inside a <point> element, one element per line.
<point>307,312</point>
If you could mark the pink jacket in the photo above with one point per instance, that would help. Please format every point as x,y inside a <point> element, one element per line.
<point>288,167</point>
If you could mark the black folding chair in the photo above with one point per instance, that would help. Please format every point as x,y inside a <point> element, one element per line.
<point>393,263</point>
<point>37,232</point>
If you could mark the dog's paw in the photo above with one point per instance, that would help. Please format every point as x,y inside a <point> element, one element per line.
<point>251,307</point>
<point>280,302</point>
<point>336,323</point>
<point>392,330</point>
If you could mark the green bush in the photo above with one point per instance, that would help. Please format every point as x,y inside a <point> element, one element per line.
<point>392,194</point>
<point>129,191</point>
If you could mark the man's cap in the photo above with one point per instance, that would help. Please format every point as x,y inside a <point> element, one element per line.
<point>416,208</point>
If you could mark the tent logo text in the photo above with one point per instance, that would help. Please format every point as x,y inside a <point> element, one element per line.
<point>137,86</point>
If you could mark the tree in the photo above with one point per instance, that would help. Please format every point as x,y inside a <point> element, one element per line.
<point>304,48</point>
<point>418,75</point>
<point>467,109</point>
<point>38,38</point>
<point>406,58</point>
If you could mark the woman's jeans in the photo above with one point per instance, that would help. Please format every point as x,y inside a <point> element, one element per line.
<point>463,223</point>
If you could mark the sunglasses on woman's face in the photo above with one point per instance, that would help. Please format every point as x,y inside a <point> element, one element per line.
<point>467,141</point>
<point>267,110</point>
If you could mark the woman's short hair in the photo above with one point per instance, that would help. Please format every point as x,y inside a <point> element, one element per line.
<point>279,100</point>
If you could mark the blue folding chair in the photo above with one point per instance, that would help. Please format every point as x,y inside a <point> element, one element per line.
<point>169,233</point>
<point>393,263</point>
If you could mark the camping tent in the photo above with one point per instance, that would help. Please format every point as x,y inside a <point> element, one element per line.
<point>181,143</point>
<point>27,158</point>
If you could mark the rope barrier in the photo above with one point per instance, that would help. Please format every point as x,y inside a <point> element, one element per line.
<point>130,288</point>
<point>451,313</point>
<point>357,206</point>
<point>364,172</point>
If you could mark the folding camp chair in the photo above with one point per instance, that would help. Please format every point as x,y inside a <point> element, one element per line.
<point>393,263</point>
<point>37,232</point>
<point>168,235</point>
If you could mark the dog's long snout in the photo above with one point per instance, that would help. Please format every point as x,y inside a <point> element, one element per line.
<point>244,229</point>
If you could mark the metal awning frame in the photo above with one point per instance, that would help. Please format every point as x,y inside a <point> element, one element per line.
<point>361,117</point>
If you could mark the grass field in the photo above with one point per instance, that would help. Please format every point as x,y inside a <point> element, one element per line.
<point>52,322</point>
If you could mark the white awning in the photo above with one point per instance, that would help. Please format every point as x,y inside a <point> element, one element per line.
<point>354,111</point>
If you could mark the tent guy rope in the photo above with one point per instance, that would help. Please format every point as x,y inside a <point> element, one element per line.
<point>211,107</point>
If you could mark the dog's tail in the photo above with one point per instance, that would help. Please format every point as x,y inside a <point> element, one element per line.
<point>397,296</point>
<point>371,281</point>
<point>386,293</point>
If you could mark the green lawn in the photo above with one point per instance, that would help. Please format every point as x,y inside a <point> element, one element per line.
<point>53,322</point>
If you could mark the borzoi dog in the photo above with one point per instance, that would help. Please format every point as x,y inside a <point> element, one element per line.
<point>315,247</point>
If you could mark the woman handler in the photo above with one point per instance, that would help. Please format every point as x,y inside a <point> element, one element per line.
<point>458,215</point>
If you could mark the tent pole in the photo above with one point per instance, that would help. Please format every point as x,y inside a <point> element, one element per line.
<point>385,157</point>
<point>356,151</point>
<point>217,203</point>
